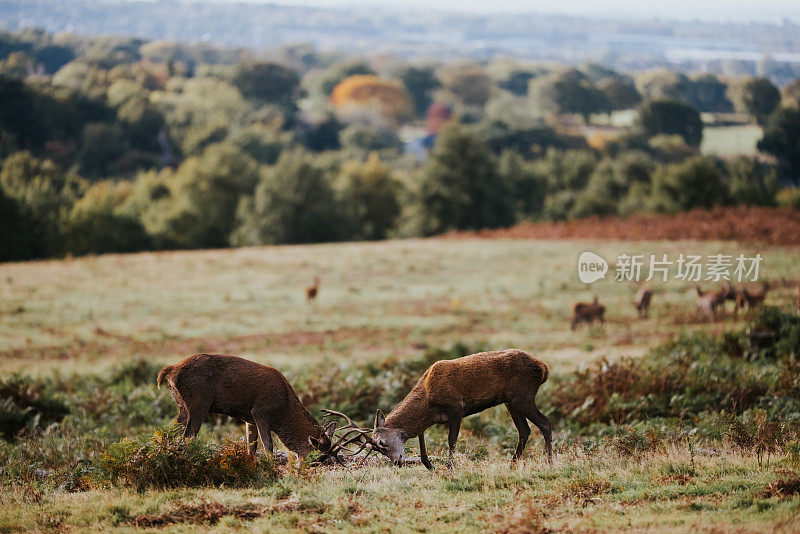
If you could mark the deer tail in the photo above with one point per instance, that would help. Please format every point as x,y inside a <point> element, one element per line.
<point>163,374</point>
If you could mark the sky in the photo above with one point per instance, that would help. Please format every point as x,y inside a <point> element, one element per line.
<point>710,10</point>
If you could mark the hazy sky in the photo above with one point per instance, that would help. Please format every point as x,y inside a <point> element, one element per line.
<point>716,10</point>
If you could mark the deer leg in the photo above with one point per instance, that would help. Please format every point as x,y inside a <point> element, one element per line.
<point>262,423</point>
<point>196,415</point>
<point>251,434</point>
<point>183,415</point>
<point>523,430</point>
<point>454,424</point>
<point>545,427</point>
<point>423,452</point>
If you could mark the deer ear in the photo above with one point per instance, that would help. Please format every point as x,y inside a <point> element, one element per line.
<point>380,419</point>
<point>314,442</point>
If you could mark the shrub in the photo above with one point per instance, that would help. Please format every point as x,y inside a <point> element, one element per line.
<point>165,460</point>
<point>25,403</point>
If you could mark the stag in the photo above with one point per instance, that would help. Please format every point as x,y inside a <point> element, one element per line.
<point>709,301</point>
<point>642,302</point>
<point>453,389</point>
<point>584,312</point>
<point>256,394</point>
<point>751,298</point>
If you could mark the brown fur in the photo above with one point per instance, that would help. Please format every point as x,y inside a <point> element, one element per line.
<point>754,297</point>
<point>247,391</point>
<point>452,389</point>
<point>642,302</point>
<point>709,301</point>
<point>584,312</point>
<point>311,291</point>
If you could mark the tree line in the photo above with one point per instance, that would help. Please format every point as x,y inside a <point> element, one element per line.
<point>117,144</point>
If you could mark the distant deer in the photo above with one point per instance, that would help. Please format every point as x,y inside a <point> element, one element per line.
<point>642,302</point>
<point>247,391</point>
<point>751,298</point>
<point>709,301</point>
<point>311,291</point>
<point>583,312</point>
<point>453,389</point>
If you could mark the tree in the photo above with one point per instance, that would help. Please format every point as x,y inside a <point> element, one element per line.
<point>95,224</point>
<point>751,182</point>
<point>268,82</point>
<point>369,195</point>
<point>707,93</point>
<point>293,203</point>
<point>420,82</point>
<point>517,82</point>
<point>469,84</point>
<point>757,97</point>
<point>371,93</point>
<point>102,145</point>
<point>662,84</point>
<point>791,94</point>
<point>460,188</point>
<point>670,117</point>
<point>528,186</point>
<point>42,193</point>
<point>619,92</point>
<point>694,183</point>
<point>782,140</point>
<point>194,206</point>
<point>569,91</point>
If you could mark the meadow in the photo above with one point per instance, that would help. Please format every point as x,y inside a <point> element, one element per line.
<point>89,334</point>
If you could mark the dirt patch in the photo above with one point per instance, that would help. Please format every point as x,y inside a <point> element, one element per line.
<point>771,226</point>
<point>204,513</point>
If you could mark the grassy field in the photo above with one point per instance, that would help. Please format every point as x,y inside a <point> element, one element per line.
<point>87,317</point>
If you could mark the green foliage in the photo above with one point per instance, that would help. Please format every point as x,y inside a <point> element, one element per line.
<point>694,183</point>
<point>364,138</point>
<point>369,195</point>
<point>780,140</point>
<point>619,92</point>
<point>27,404</point>
<point>469,84</point>
<point>195,205</point>
<point>569,91</point>
<point>268,82</point>
<point>42,194</point>
<point>757,97</point>
<point>529,186</point>
<point>165,461</point>
<point>707,93</point>
<point>751,182</point>
<point>789,197</point>
<point>420,82</point>
<point>293,203</point>
<point>459,186</point>
<point>670,117</point>
<point>96,224</point>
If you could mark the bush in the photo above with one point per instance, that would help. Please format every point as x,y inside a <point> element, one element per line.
<point>165,461</point>
<point>789,198</point>
<point>25,403</point>
<point>694,183</point>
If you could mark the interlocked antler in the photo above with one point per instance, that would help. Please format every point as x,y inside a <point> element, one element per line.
<point>351,433</point>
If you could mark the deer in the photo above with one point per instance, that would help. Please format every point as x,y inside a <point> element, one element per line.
<point>587,313</point>
<point>751,298</point>
<point>312,290</point>
<point>709,301</point>
<point>642,302</point>
<point>453,389</point>
<point>256,394</point>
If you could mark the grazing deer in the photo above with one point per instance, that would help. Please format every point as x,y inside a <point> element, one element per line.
<point>311,291</point>
<point>751,298</point>
<point>709,301</point>
<point>642,302</point>
<point>247,391</point>
<point>583,312</point>
<point>453,389</point>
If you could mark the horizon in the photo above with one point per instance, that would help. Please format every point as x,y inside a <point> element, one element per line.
<point>733,11</point>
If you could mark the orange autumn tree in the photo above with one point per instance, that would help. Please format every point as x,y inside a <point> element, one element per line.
<point>368,92</point>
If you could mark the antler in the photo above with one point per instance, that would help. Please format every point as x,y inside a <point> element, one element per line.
<point>352,433</point>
